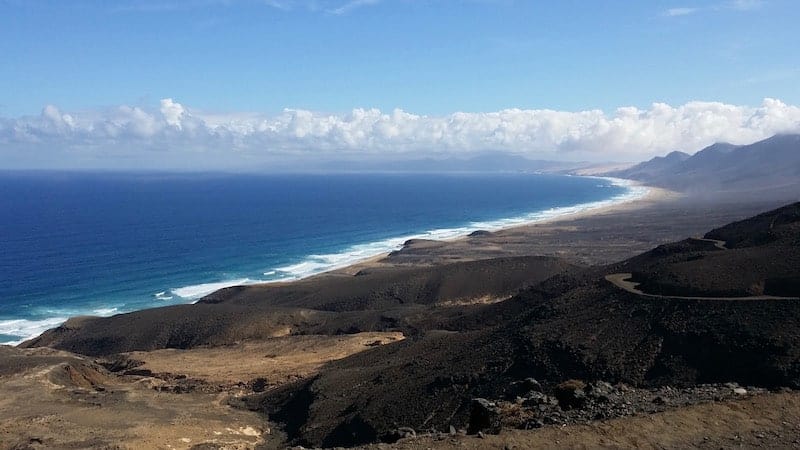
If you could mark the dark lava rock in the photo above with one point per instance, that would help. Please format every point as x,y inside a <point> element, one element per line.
<point>537,398</point>
<point>523,388</point>
<point>139,372</point>
<point>570,394</point>
<point>600,391</point>
<point>260,384</point>
<point>120,364</point>
<point>484,417</point>
<point>397,434</point>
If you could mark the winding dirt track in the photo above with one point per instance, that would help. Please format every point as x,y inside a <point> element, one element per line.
<point>717,243</point>
<point>622,281</point>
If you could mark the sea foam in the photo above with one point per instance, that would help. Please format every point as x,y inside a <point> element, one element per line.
<point>162,296</point>
<point>24,329</point>
<point>196,291</point>
<point>105,312</point>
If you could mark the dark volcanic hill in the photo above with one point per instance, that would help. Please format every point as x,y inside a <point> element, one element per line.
<point>564,322</point>
<point>760,257</point>
<point>575,325</point>
<point>402,299</point>
<point>766,168</point>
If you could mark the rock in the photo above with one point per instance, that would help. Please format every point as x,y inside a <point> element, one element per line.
<point>260,384</point>
<point>120,364</point>
<point>523,388</point>
<point>600,391</point>
<point>452,430</point>
<point>484,416</point>
<point>570,394</point>
<point>407,432</point>
<point>659,400</point>
<point>551,420</point>
<point>400,433</point>
<point>535,399</point>
<point>534,424</point>
<point>740,391</point>
<point>532,385</point>
<point>139,372</point>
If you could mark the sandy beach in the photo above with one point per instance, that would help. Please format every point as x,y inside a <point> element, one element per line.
<point>495,243</point>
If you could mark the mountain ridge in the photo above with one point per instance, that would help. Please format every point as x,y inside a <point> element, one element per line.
<point>770,167</point>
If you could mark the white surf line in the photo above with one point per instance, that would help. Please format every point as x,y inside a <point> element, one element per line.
<point>317,264</point>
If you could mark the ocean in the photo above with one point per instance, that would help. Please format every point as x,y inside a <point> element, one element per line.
<point>106,243</point>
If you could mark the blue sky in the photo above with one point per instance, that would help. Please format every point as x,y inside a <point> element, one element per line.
<point>226,60</point>
<point>428,57</point>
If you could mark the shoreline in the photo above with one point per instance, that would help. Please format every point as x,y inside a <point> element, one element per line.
<point>648,195</point>
<point>637,196</point>
<point>651,196</point>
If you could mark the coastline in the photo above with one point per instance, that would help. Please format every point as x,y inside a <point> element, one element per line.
<point>639,196</point>
<point>359,257</point>
<point>370,254</point>
<point>650,196</point>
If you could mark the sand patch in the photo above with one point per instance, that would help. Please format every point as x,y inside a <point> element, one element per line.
<point>278,360</point>
<point>485,300</point>
<point>59,400</point>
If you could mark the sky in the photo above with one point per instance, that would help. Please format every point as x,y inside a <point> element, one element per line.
<point>204,84</point>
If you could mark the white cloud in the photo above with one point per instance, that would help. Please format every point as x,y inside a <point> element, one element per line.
<point>737,5</point>
<point>353,4</point>
<point>337,7</point>
<point>746,5</point>
<point>317,6</point>
<point>172,112</point>
<point>178,136</point>
<point>673,12</point>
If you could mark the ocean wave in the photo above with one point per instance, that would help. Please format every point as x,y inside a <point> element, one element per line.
<point>24,329</point>
<point>162,296</point>
<point>104,312</point>
<point>196,291</point>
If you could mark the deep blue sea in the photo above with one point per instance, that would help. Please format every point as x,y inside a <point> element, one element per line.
<point>105,243</point>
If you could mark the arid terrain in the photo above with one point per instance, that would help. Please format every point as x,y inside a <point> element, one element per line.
<point>447,344</point>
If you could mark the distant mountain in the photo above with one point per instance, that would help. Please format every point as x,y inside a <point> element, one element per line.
<point>769,167</point>
<point>655,166</point>
<point>484,162</point>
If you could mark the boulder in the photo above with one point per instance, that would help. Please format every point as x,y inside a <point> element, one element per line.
<point>571,394</point>
<point>484,417</point>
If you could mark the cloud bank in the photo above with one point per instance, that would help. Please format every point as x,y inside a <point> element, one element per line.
<point>176,136</point>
